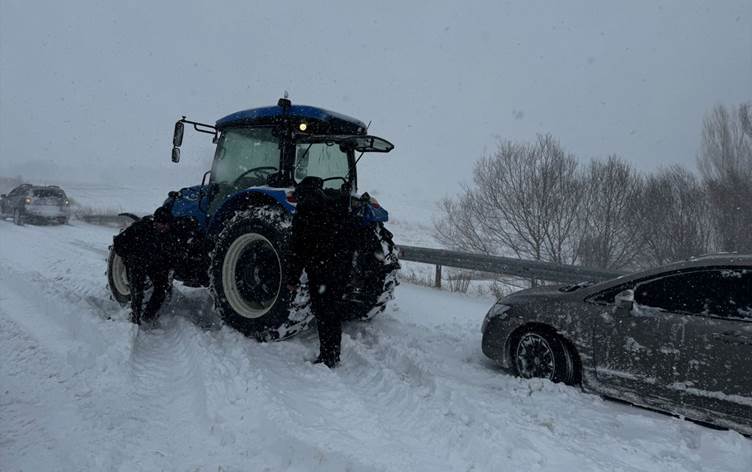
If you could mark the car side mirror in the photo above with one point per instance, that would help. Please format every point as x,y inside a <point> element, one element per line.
<point>625,299</point>
<point>176,154</point>
<point>177,137</point>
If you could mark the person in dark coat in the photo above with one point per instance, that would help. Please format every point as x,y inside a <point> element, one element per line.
<point>147,248</point>
<point>320,244</point>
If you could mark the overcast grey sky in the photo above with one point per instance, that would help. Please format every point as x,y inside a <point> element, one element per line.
<point>100,83</point>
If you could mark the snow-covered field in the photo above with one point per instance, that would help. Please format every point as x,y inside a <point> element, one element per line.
<point>79,391</point>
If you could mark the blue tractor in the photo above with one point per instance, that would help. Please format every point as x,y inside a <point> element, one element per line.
<point>239,218</point>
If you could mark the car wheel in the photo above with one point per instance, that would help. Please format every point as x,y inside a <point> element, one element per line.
<point>248,271</point>
<point>541,354</point>
<point>18,217</point>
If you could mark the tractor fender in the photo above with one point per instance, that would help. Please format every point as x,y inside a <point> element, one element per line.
<point>256,196</point>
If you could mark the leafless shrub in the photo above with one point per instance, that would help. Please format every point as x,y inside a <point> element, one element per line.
<point>416,277</point>
<point>725,163</point>
<point>459,281</point>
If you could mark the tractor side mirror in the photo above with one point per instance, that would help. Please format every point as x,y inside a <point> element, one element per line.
<point>177,137</point>
<point>176,154</point>
<point>624,300</point>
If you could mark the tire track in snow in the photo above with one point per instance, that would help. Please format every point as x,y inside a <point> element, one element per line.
<point>319,412</point>
<point>166,388</point>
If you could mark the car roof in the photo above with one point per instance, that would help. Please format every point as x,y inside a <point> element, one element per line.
<point>712,260</point>
<point>699,262</point>
<point>35,187</point>
<point>38,187</point>
<point>339,123</point>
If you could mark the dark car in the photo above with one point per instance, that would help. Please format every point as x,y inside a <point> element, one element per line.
<point>677,338</point>
<point>36,203</point>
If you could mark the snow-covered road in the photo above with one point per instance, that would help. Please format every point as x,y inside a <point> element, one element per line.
<point>79,391</point>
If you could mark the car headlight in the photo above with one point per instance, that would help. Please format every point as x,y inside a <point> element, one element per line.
<point>497,311</point>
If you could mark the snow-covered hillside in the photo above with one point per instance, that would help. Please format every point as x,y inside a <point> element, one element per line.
<point>84,392</point>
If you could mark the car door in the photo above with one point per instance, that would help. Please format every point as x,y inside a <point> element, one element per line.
<point>715,371</point>
<point>636,347</point>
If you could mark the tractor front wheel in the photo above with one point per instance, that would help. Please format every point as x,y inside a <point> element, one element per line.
<point>117,279</point>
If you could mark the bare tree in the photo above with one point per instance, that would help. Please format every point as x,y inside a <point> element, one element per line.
<point>524,199</point>
<point>611,218</point>
<point>725,162</point>
<point>745,117</point>
<point>676,217</point>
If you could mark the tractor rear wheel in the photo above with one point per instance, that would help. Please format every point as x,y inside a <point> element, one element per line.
<point>247,272</point>
<point>374,273</point>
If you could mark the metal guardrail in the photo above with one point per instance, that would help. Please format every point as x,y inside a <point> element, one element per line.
<point>115,221</point>
<point>533,270</point>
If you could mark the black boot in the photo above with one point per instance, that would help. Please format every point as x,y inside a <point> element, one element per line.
<point>328,361</point>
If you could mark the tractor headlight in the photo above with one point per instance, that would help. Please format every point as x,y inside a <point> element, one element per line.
<point>27,200</point>
<point>302,126</point>
<point>496,311</point>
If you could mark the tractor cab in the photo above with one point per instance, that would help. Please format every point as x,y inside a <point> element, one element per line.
<point>270,150</point>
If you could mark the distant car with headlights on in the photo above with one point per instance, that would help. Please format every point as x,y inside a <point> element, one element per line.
<point>677,338</point>
<point>30,203</point>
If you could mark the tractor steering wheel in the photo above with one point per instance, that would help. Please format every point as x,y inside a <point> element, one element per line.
<point>345,182</point>
<point>255,169</point>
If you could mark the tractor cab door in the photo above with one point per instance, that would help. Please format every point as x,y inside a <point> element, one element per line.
<point>245,157</point>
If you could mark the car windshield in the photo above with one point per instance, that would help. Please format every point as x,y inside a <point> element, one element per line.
<point>324,160</point>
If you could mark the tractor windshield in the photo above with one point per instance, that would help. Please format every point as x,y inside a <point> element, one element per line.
<point>245,157</point>
<point>325,160</point>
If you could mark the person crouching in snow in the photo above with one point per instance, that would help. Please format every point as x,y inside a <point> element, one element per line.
<point>146,248</point>
<point>320,244</point>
